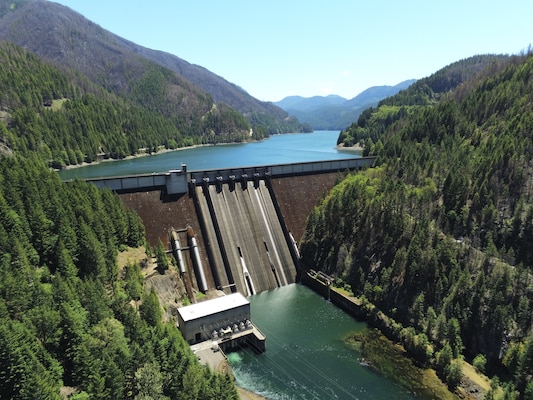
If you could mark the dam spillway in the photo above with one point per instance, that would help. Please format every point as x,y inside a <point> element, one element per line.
<point>246,221</point>
<point>246,241</point>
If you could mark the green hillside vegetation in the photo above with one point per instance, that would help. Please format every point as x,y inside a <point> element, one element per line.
<point>438,236</point>
<point>72,321</point>
<point>155,80</point>
<point>68,120</point>
<point>373,121</point>
<point>69,318</point>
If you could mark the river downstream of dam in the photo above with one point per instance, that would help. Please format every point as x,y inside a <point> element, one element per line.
<point>306,356</point>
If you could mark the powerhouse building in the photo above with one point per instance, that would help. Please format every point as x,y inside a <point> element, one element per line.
<point>214,319</point>
<point>223,322</point>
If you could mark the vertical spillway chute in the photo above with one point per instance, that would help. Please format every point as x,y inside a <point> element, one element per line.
<point>269,217</point>
<point>203,211</point>
<point>272,266</point>
<point>222,221</point>
<point>255,255</point>
<point>247,277</point>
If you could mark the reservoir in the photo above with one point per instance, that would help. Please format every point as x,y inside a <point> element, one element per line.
<point>278,149</point>
<point>306,357</point>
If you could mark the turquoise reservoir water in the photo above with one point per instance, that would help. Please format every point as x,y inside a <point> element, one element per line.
<point>278,149</point>
<point>306,357</point>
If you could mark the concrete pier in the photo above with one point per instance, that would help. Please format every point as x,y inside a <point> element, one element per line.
<point>213,353</point>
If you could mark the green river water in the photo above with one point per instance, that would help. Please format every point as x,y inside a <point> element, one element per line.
<point>306,356</point>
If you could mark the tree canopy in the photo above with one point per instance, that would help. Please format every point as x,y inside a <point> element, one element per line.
<point>68,316</point>
<point>439,234</point>
<point>69,120</point>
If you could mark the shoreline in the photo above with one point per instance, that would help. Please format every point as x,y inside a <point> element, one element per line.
<point>245,394</point>
<point>138,155</point>
<point>355,147</point>
<point>339,147</point>
<point>161,150</point>
<point>473,385</point>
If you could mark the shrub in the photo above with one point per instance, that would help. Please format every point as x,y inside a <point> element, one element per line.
<point>479,363</point>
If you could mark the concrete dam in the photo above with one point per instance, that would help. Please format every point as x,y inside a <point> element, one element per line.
<point>234,230</point>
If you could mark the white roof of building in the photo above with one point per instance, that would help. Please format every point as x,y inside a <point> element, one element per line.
<point>213,306</point>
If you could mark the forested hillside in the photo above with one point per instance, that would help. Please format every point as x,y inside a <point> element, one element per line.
<point>427,91</point>
<point>70,320</point>
<point>438,236</point>
<point>69,120</point>
<point>155,80</point>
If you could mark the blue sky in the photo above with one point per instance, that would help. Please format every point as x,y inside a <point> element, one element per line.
<point>277,48</point>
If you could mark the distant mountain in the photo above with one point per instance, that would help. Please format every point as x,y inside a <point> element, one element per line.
<point>335,112</point>
<point>62,36</point>
<point>306,103</point>
<point>376,93</point>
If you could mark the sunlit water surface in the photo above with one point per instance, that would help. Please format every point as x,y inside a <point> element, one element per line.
<point>278,149</point>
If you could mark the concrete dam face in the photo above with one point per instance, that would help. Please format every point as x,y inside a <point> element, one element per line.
<point>247,243</point>
<point>240,239</point>
<point>230,230</point>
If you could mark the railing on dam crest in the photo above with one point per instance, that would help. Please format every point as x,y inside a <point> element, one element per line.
<point>176,181</point>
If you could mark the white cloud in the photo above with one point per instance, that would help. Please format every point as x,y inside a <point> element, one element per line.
<point>326,90</point>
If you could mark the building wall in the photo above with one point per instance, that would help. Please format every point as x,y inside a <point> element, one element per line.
<point>200,329</point>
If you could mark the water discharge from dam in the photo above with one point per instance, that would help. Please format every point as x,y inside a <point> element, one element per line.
<point>306,356</point>
<point>247,244</point>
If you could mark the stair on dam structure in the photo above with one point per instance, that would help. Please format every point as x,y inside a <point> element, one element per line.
<point>248,249</point>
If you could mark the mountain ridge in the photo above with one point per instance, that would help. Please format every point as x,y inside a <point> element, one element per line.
<point>424,92</point>
<point>65,37</point>
<point>334,112</point>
